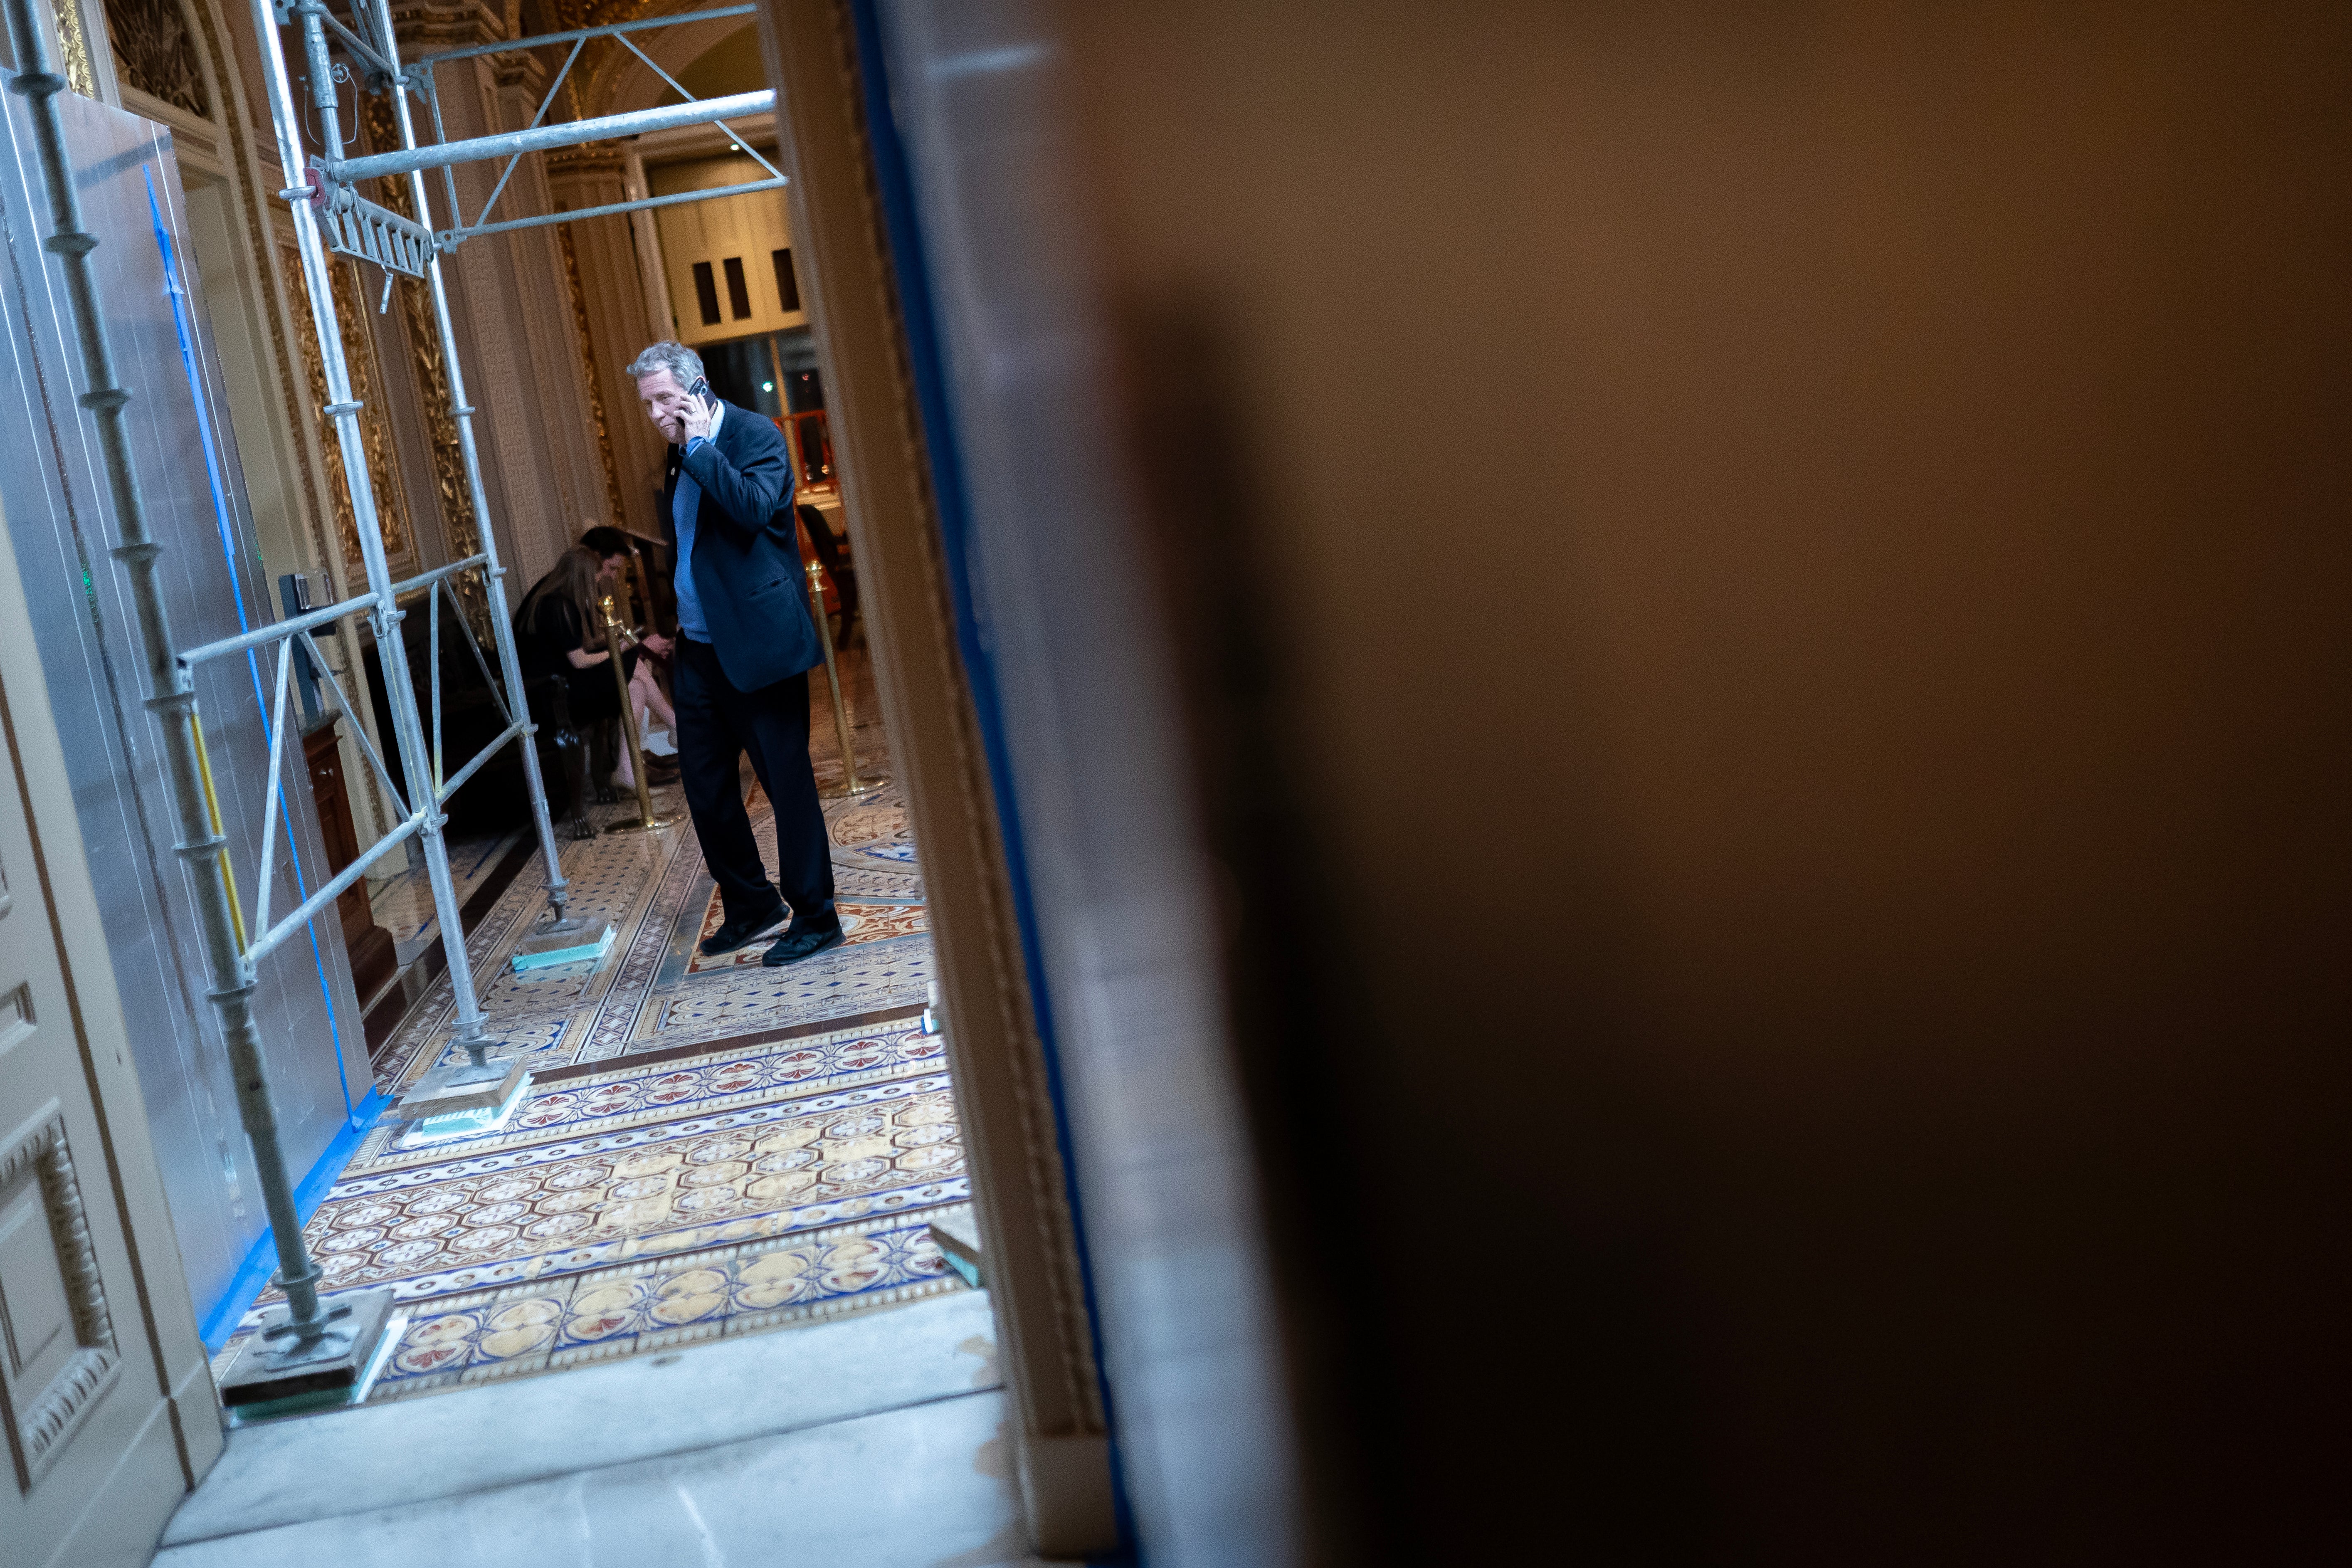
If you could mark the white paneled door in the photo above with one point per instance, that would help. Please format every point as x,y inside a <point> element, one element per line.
<point>105,1398</point>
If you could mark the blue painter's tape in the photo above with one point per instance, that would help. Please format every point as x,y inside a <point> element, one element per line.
<point>252,1278</point>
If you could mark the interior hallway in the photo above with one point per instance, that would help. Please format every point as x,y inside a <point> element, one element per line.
<point>709,1151</point>
<point>709,1148</point>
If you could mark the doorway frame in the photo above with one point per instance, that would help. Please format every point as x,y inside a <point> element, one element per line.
<point>1034,1272</point>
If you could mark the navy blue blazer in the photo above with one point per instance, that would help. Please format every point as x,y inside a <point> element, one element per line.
<point>747,555</point>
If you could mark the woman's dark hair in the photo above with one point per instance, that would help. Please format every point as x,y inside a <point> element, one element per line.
<point>608,541</point>
<point>573,578</point>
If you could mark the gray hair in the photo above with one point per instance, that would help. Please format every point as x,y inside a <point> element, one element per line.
<point>682,362</point>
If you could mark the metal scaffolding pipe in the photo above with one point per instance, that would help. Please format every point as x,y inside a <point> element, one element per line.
<point>427,579</point>
<point>266,944</point>
<point>449,238</point>
<point>275,631</point>
<point>456,780</point>
<point>493,575</point>
<point>538,138</point>
<point>367,53</point>
<point>171,697</point>
<point>401,695</point>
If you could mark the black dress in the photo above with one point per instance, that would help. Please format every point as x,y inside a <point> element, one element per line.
<point>548,629</point>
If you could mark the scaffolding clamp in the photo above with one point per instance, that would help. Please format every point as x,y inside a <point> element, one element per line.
<point>355,226</point>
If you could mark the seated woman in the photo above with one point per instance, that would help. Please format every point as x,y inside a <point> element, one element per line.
<point>559,631</point>
<point>613,549</point>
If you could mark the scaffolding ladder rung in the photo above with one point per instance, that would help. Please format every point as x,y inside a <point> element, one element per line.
<point>356,226</point>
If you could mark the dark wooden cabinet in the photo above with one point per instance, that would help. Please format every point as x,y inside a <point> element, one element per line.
<point>368,944</point>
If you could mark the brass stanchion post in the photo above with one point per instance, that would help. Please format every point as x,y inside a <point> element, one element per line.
<point>850,783</point>
<point>647,821</point>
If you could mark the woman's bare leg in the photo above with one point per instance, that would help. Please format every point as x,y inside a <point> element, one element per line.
<point>648,694</point>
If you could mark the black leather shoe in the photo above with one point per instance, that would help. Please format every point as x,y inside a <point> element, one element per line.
<point>795,946</point>
<point>740,934</point>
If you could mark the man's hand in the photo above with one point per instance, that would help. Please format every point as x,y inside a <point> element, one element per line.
<point>654,642</point>
<point>675,412</point>
<point>693,422</point>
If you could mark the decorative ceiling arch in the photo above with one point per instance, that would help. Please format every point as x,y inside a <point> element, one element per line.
<point>616,81</point>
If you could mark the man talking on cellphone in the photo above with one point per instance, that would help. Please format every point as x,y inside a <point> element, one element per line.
<point>746,644</point>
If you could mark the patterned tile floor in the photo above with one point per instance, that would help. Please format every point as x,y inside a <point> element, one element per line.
<point>649,993</point>
<point>657,1305</point>
<point>652,990</point>
<point>765,1169</point>
<point>735,1157</point>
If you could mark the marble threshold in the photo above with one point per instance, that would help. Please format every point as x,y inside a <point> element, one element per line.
<point>877,1440</point>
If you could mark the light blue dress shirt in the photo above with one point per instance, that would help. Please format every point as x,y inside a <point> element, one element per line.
<point>683,507</point>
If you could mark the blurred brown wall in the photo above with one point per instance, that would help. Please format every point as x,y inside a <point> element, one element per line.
<point>1791,563</point>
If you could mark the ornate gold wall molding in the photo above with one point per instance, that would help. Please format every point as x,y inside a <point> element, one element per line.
<point>74,44</point>
<point>352,313</point>
<point>155,51</point>
<point>452,495</point>
<point>256,238</point>
<point>375,438</point>
<point>368,389</point>
<point>250,189</point>
<point>314,374</point>
<point>450,492</point>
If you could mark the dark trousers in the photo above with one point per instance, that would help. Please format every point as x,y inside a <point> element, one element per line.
<point>717,723</point>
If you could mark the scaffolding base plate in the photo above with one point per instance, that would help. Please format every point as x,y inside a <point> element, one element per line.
<point>272,1370</point>
<point>444,1090</point>
<point>958,1239</point>
<point>475,1123</point>
<point>262,1410</point>
<point>586,939</point>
